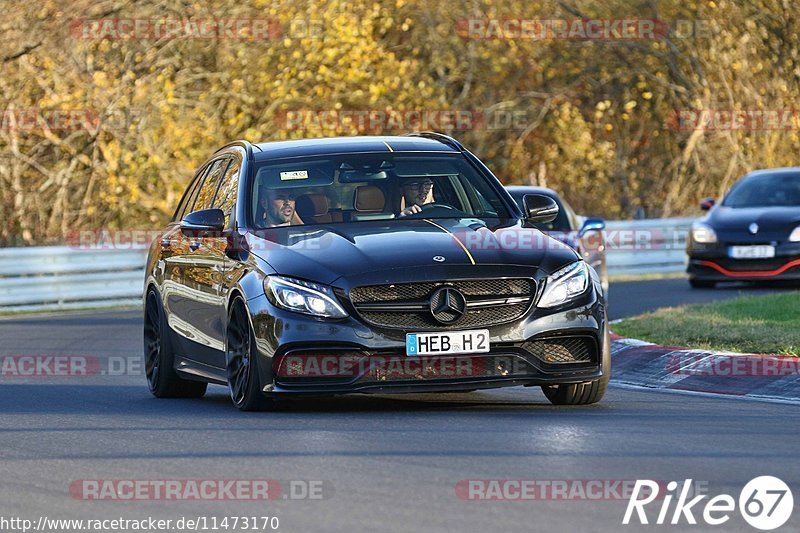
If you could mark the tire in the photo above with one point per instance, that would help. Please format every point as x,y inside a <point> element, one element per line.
<point>241,361</point>
<point>583,393</point>
<point>702,283</point>
<point>159,356</point>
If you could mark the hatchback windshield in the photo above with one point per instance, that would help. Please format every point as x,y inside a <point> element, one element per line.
<point>358,187</point>
<point>768,190</point>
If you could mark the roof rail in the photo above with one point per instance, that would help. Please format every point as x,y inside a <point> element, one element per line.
<point>441,137</point>
<point>248,148</point>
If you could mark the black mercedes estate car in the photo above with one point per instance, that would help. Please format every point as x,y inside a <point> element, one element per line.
<point>752,235</point>
<point>366,265</point>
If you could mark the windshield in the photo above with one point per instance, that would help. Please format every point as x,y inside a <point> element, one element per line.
<point>768,190</point>
<point>361,187</point>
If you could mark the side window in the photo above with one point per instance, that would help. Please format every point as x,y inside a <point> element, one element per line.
<point>209,188</point>
<point>228,187</point>
<point>189,196</point>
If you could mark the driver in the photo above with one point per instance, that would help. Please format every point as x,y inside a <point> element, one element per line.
<point>278,209</point>
<point>416,193</point>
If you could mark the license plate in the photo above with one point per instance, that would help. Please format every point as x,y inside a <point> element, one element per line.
<point>447,343</point>
<point>751,252</point>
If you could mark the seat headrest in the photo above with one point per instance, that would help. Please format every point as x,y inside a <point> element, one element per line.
<point>369,198</point>
<point>312,205</point>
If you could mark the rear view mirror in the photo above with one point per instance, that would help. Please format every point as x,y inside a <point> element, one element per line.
<point>707,204</point>
<point>592,224</point>
<point>209,222</point>
<point>540,208</point>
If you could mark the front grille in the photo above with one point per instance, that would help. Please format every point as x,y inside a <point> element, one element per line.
<point>411,291</point>
<point>407,306</point>
<point>563,349</point>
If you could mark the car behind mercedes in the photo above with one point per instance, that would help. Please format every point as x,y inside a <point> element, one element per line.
<point>752,235</point>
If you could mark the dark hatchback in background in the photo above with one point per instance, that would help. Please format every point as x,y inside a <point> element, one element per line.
<point>752,235</point>
<point>366,264</point>
<point>586,235</point>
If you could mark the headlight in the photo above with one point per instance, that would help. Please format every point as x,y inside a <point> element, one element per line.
<point>703,234</point>
<point>795,236</point>
<point>303,297</point>
<point>565,284</point>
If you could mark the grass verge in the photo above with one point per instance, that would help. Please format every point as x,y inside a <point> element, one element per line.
<point>748,324</point>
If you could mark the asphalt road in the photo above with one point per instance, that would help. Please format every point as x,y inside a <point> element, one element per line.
<point>387,463</point>
<point>631,298</point>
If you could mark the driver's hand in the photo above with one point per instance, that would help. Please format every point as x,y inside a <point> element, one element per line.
<point>410,210</point>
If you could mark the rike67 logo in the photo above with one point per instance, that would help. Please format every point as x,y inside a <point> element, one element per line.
<point>765,502</point>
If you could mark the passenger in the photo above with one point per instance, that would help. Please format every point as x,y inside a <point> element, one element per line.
<point>416,193</point>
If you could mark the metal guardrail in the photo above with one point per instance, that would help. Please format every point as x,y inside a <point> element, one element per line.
<point>61,277</point>
<point>652,246</point>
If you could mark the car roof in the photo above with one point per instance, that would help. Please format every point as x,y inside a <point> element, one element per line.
<point>773,171</point>
<point>339,145</point>
<point>532,189</point>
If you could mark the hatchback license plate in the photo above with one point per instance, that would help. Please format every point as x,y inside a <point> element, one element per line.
<point>752,252</point>
<point>448,343</point>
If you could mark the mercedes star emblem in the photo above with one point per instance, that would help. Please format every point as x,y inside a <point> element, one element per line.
<point>448,305</point>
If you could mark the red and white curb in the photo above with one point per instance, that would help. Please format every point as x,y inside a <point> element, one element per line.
<point>753,376</point>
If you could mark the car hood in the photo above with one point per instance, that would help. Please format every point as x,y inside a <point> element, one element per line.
<point>773,222</point>
<point>327,252</point>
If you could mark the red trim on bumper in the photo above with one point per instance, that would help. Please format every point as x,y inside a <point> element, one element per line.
<point>751,273</point>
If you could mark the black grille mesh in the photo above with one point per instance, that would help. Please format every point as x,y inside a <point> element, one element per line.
<point>424,320</point>
<point>422,292</point>
<point>415,291</point>
<point>562,350</point>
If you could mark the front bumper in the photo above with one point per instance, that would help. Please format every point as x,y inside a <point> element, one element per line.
<point>712,263</point>
<point>300,355</point>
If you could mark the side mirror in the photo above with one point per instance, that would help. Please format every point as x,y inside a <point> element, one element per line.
<point>540,208</point>
<point>707,204</point>
<point>592,224</point>
<point>206,221</point>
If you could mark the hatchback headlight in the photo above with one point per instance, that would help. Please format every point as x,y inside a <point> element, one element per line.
<point>565,285</point>
<point>795,236</point>
<point>303,297</point>
<point>703,233</point>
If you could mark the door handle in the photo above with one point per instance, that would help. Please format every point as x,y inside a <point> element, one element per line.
<point>166,243</point>
<point>195,245</point>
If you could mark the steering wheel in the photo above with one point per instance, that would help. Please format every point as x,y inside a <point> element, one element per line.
<point>434,205</point>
